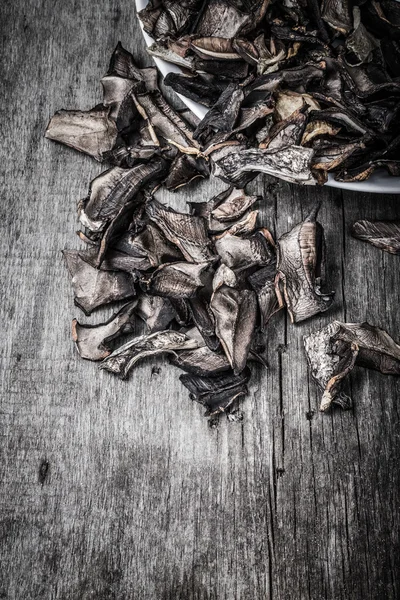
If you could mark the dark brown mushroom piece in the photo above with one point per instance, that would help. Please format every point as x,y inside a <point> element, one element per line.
<point>94,288</point>
<point>201,361</point>
<point>155,311</point>
<point>235,313</point>
<point>93,342</point>
<point>187,232</point>
<point>175,280</point>
<point>333,351</point>
<point>92,132</point>
<point>111,190</point>
<point>216,393</point>
<point>382,234</point>
<point>291,163</point>
<point>123,359</point>
<point>301,269</point>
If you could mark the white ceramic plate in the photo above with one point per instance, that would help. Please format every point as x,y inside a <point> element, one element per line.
<point>380,182</point>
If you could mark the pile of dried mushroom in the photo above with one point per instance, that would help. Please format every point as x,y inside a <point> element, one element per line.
<point>205,281</point>
<point>309,81</point>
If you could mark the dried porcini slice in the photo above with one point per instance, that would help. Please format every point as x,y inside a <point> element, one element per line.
<point>300,267</point>
<point>382,234</point>
<point>94,288</point>
<point>216,393</point>
<point>92,132</point>
<point>333,351</point>
<point>187,232</point>
<point>93,341</point>
<point>235,313</point>
<point>122,360</point>
<point>175,280</point>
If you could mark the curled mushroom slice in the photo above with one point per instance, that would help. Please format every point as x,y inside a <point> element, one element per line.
<point>221,19</point>
<point>300,267</point>
<point>148,245</point>
<point>166,53</point>
<point>288,102</point>
<point>242,253</point>
<point>156,312</point>
<point>382,234</point>
<point>224,276</point>
<point>235,313</point>
<point>376,348</point>
<point>223,115</point>
<point>232,204</point>
<point>92,132</point>
<point>195,88</point>
<point>263,283</point>
<point>292,164</point>
<point>216,393</point>
<point>287,132</point>
<point>175,280</point>
<point>115,260</point>
<point>184,169</point>
<point>111,190</point>
<point>164,119</point>
<point>360,43</point>
<point>93,341</point>
<point>201,361</point>
<point>327,368</point>
<point>124,358</point>
<point>244,226</point>
<point>333,351</point>
<point>203,318</point>
<point>123,64</point>
<point>93,288</point>
<point>337,14</point>
<point>187,232</point>
<point>214,48</point>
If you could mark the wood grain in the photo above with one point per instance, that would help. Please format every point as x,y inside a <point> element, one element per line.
<point>120,490</point>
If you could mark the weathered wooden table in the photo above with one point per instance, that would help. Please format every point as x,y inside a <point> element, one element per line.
<point>120,490</point>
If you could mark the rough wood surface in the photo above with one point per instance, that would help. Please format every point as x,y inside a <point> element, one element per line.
<point>120,490</point>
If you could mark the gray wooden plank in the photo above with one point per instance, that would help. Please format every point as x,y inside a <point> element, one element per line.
<point>141,498</point>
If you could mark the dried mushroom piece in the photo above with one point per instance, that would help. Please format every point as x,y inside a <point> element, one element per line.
<point>333,351</point>
<point>223,115</point>
<point>327,368</point>
<point>121,361</point>
<point>175,280</point>
<point>149,245</point>
<point>235,313</point>
<point>111,190</point>
<point>94,288</point>
<point>216,393</point>
<point>291,163</point>
<point>382,234</point>
<point>187,232</point>
<point>201,361</point>
<point>263,283</point>
<point>241,253</point>
<point>93,341</point>
<point>115,261</point>
<point>232,204</point>
<point>155,311</point>
<point>92,132</point>
<point>300,267</point>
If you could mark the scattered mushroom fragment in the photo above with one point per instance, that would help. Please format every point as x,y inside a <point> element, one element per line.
<point>333,351</point>
<point>93,341</point>
<point>382,234</point>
